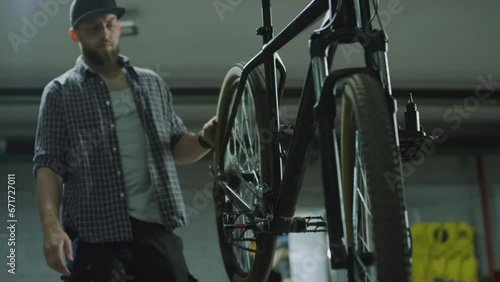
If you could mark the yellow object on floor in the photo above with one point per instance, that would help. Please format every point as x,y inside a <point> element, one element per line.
<point>443,250</point>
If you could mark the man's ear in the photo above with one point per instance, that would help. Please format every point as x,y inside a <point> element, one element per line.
<point>73,34</point>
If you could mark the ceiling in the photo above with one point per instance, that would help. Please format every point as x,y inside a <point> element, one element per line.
<point>447,44</point>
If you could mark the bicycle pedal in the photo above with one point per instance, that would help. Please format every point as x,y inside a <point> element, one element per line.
<point>411,147</point>
<point>412,139</point>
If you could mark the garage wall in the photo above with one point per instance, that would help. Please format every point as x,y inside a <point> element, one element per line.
<point>446,188</point>
<point>443,187</point>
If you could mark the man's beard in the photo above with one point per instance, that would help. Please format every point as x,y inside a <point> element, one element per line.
<point>101,58</point>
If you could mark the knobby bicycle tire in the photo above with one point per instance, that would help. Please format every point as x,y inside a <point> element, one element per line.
<point>265,244</point>
<point>366,118</point>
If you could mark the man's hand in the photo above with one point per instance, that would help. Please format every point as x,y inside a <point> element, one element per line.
<point>55,241</point>
<point>208,131</point>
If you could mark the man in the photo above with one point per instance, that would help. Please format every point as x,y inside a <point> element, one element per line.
<point>108,134</point>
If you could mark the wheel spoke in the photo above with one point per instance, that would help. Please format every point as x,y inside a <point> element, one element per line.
<point>362,172</point>
<point>362,192</point>
<point>363,212</point>
<point>362,198</point>
<point>241,149</point>
<point>250,137</point>
<point>364,242</point>
<point>246,160</point>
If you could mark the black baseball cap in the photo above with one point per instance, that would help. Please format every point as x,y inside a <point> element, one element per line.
<point>82,9</point>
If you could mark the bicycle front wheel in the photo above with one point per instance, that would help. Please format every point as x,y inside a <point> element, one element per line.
<point>372,184</point>
<point>247,255</point>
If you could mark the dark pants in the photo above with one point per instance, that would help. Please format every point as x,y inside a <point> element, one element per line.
<point>153,255</point>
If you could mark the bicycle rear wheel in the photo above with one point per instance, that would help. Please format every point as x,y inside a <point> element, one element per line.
<point>372,184</point>
<point>247,255</point>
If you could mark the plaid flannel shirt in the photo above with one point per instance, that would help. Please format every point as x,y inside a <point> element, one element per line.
<point>75,137</point>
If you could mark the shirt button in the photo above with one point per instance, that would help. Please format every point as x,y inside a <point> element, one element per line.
<point>122,195</point>
<point>112,126</point>
<point>108,103</point>
<point>119,172</point>
<point>114,149</point>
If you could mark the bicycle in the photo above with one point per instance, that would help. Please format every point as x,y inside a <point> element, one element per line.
<point>258,173</point>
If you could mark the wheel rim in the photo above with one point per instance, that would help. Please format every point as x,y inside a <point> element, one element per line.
<point>362,216</point>
<point>363,242</point>
<point>242,157</point>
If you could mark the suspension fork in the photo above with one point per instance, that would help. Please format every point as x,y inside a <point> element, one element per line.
<point>324,112</point>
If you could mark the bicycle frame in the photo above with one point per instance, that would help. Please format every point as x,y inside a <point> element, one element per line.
<point>348,22</point>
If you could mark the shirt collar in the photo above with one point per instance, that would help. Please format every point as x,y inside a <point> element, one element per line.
<point>84,71</point>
